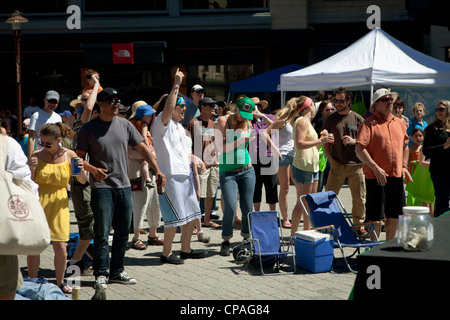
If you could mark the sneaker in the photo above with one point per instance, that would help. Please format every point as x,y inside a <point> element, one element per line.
<point>202,238</point>
<point>122,278</point>
<point>101,281</point>
<point>171,259</point>
<point>99,293</point>
<point>225,248</point>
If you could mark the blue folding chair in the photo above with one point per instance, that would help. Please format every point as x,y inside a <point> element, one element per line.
<point>327,210</point>
<point>266,239</point>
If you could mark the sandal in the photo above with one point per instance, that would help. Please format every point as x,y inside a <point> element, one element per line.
<point>155,241</point>
<point>139,245</point>
<point>212,225</point>
<point>65,288</point>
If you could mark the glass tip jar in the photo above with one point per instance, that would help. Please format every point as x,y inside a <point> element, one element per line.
<point>415,229</point>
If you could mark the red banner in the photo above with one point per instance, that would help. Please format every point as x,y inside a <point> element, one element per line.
<point>122,53</point>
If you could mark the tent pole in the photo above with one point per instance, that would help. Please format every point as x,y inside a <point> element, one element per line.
<point>371,93</point>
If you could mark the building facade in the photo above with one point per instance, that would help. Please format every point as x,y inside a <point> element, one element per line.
<point>213,42</point>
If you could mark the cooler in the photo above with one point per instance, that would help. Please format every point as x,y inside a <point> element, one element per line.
<point>314,251</point>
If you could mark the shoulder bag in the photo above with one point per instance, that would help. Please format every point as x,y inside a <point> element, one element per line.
<point>23,226</point>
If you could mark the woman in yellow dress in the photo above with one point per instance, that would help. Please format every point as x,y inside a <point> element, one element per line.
<point>51,170</point>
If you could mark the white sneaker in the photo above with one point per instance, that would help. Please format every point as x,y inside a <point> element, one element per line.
<point>122,278</point>
<point>102,281</point>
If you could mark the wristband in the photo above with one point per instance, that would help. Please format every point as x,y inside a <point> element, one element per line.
<point>176,87</point>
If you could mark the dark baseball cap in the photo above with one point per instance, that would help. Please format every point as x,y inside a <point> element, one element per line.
<point>107,93</point>
<point>205,100</point>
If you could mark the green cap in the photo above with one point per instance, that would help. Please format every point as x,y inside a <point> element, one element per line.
<point>246,106</point>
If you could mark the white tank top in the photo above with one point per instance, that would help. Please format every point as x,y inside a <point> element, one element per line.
<point>286,141</point>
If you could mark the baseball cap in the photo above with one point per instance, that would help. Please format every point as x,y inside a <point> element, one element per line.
<point>52,94</point>
<point>198,87</point>
<point>65,114</point>
<point>107,93</point>
<point>144,110</point>
<point>246,106</point>
<point>205,100</point>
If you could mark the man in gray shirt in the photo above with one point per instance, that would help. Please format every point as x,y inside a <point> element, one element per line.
<point>106,139</point>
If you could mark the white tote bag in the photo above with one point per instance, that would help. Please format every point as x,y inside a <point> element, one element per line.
<point>23,226</point>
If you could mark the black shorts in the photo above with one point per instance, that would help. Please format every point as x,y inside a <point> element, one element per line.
<point>270,183</point>
<point>384,201</point>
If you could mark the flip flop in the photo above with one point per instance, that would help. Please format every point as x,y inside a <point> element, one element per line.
<point>68,289</point>
<point>212,225</point>
<point>286,225</point>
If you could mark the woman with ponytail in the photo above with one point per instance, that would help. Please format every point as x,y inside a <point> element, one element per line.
<point>284,149</point>
<point>305,166</point>
<point>51,170</point>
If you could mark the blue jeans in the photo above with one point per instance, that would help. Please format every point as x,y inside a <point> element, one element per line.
<point>230,184</point>
<point>111,207</point>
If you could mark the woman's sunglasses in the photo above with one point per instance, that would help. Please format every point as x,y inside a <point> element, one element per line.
<point>45,145</point>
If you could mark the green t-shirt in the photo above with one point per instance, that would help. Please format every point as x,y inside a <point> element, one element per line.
<point>238,157</point>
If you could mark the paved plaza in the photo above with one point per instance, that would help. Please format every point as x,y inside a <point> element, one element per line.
<point>214,278</point>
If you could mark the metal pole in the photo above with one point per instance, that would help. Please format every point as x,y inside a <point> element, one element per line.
<point>17,35</point>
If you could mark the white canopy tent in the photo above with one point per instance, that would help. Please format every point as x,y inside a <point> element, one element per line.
<point>375,60</point>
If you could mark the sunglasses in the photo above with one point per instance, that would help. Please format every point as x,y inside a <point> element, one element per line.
<point>339,101</point>
<point>52,101</point>
<point>182,105</point>
<point>440,109</point>
<point>386,99</point>
<point>114,102</point>
<point>45,145</point>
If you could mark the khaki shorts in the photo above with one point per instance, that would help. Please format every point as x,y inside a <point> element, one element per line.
<point>209,180</point>
<point>10,276</point>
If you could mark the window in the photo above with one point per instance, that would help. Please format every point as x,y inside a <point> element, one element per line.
<point>228,5</point>
<point>120,5</point>
<point>216,79</point>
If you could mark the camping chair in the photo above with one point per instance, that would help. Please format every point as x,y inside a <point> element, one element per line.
<point>266,241</point>
<point>326,210</point>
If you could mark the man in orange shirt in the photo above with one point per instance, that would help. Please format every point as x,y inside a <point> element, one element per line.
<point>382,146</point>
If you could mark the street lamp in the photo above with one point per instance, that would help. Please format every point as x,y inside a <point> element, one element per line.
<point>16,21</point>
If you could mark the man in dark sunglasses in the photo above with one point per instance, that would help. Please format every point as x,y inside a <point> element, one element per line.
<point>43,116</point>
<point>106,139</point>
<point>343,124</point>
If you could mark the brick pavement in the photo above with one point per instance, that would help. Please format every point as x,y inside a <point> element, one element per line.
<point>213,278</point>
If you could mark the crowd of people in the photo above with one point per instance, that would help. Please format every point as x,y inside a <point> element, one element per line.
<point>169,160</point>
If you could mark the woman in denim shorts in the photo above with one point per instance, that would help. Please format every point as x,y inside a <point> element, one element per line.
<point>305,166</point>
